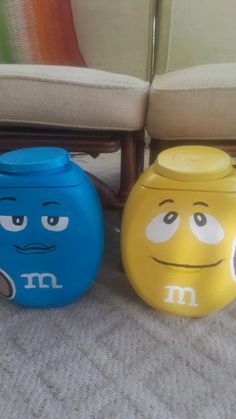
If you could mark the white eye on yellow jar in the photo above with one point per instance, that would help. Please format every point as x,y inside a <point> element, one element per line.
<point>205,227</point>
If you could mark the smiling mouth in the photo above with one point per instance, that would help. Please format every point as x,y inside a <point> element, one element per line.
<point>32,248</point>
<point>187,266</point>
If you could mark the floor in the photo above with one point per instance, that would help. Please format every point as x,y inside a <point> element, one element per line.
<point>109,356</point>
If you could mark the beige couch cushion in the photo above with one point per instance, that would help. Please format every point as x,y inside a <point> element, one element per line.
<point>71,97</point>
<point>194,103</point>
<point>116,35</point>
<point>193,32</point>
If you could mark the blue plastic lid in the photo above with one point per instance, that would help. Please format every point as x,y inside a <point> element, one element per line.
<point>35,159</point>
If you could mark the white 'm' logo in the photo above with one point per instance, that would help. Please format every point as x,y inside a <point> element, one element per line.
<point>36,280</point>
<point>177,295</point>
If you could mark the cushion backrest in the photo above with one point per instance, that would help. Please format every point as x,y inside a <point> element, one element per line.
<point>116,35</point>
<point>38,32</point>
<point>194,32</point>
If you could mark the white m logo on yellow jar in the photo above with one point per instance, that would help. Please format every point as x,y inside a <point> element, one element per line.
<point>181,295</point>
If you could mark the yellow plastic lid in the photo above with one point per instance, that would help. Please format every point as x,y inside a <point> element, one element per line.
<point>193,163</point>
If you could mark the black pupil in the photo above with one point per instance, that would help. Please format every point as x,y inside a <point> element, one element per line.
<point>200,219</point>
<point>18,220</point>
<point>170,217</point>
<point>53,221</point>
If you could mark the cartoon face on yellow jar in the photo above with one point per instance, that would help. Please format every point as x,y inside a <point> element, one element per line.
<point>179,247</point>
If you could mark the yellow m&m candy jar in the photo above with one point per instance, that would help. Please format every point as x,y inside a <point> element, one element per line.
<point>179,232</point>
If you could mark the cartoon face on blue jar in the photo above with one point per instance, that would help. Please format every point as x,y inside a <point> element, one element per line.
<point>51,230</point>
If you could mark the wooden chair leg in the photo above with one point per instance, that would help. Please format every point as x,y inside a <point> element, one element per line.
<point>140,153</point>
<point>154,150</point>
<point>131,157</point>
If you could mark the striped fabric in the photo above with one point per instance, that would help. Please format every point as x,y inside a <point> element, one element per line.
<point>38,32</point>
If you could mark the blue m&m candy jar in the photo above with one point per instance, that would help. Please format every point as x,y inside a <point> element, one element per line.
<point>51,228</point>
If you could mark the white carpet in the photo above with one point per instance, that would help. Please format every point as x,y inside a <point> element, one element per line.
<point>110,356</point>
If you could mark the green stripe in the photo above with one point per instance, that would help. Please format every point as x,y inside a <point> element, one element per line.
<point>6,50</point>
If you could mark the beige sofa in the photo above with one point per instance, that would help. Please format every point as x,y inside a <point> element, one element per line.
<point>193,93</point>
<point>97,109</point>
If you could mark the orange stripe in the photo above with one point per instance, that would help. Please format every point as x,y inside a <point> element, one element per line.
<point>26,31</point>
<point>55,31</point>
<point>72,41</point>
<point>42,20</point>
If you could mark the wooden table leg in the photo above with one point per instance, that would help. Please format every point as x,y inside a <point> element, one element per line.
<point>128,170</point>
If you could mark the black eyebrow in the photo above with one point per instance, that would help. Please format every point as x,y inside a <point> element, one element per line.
<point>8,198</point>
<point>165,202</point>
<point>201,203</point>
<point>45,204</point>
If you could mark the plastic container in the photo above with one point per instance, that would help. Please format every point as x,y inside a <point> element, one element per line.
<point>51,228</point>
<point>179,232</point>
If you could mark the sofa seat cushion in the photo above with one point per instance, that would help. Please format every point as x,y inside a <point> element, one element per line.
<point>194,103</point>
<point>71,97</point>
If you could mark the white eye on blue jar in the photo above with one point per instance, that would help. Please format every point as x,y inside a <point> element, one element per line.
<point>163,227</point>
<point>206,228</point>
<point>13,223</point>
<point>55,223</point>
